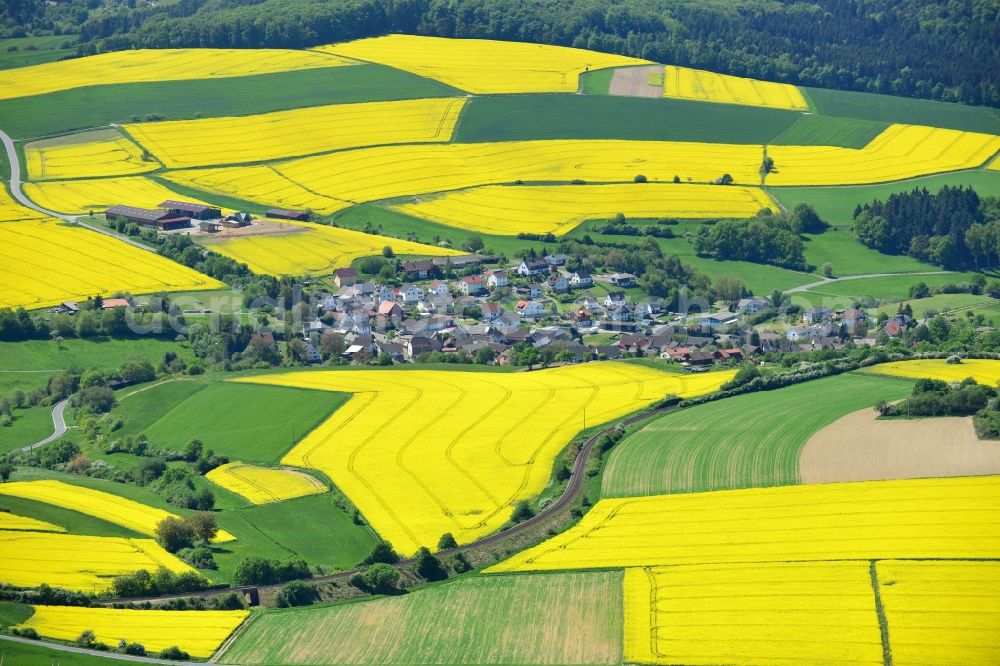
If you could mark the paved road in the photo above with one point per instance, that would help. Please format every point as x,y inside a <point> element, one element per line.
<point>58,427</point>
<point>818,283</point>
<point>69,648</point>
<point>15,188</point>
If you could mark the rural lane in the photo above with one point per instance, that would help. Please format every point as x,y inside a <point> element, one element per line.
<point>819,283</point>
<point>77,650</point>
<point>58,426</point>
<point>15,189</point>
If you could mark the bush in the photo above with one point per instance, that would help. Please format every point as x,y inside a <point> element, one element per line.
<point>254,570</point>
<point>175,533</point>
<point>27,632</point>
<point>87,639</point>
<point>522,511</point>
<point>460,563</point>
<point>381,578</point>
<point>296,593</point>
<point>429,567</point>
<point>383,553</point>
<point>95,399</point>
<point>447,541</point>
<point>175,653</point>
<point>229,601</point>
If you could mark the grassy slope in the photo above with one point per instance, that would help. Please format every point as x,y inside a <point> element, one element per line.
<point>541,618</point>
<point>46,49</point>
<point>30,425</point>
<point>13,613</point>
<point>92,353</point>
<point>596,82</point>
<point>839,294</point>
<point>64,111</point>
<point>746,441</point>
<point>555,116</point>
<point>848,256</point>
<point>19,654</point>
<point>889,109</point>
<point>947,302</point>
<point>814,130</point>
<point>247,422</point>
<point>310,528</point>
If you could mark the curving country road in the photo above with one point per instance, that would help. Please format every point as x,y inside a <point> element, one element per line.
<point>58,427</point>
<point>819,283</point>
<point>21,198</point>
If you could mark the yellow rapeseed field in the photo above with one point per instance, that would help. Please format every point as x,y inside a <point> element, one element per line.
<point>269,136</point>
<point>483,66</point>
<point>87,155</point>
<point>703,86</point>
<point>125,512</point>
<point>157,65</point>
<point>12,521</point>
<point>261,485</point>
<point>197,632</point>
<point>426,452</point>
<point>899,152</point>
<point>260,184</point>
<point>79,197</point>
<point>994,165</point>
<point>941,612</point>
<point>809,612</point>
<point>84,563</point>
<point>984,371</point>
<point>44,261</point>
<point>509,210</point>
<point>927,518</point>
<point>331,182</point>
<point>313,249</point>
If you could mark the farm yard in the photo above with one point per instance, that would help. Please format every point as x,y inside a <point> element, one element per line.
<point>531,449</point>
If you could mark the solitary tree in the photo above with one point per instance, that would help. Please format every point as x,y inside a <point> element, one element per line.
<point>447,541</point>
<point>175,533</point>
<point>204,525</point>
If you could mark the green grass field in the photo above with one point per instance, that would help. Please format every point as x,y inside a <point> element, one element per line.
<point>890,109</point>
<point>558,116</point>
<point>881,288</point>
<point>747,441</point>
<point>247,422</point>
<point>814,130</point>
<point>561,618</point>
<point>946,303</point>
<point>89,353</point>
<point>20,654</point>
<point>848,256</point>
<point>836,204</point>
<point>25,51</point>
<point>29,425</point>
<point>597,82</point>
<point>13,613</point>
<point>61,112</point>
<point>309,528</point>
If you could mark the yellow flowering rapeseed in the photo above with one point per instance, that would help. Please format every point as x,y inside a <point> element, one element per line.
<point>85,155</point>
<point>268,136</point>
<point>928,518</point>
<point>899,152</point>
<point>510,210</point>
<point>941,612</point>
<point>984,371</point>
<point>112,508</point>
<point>79,197</point>
<point>45,261</point>
<point>482,65</point>
<point>810,612</point>
<point>426,452</point>
<point>703,86</point>
<point>157,65</point>
<point>85,563</point>
<point>11,521</point>
<point>199,633</point>
<point>314,249</point>
<point>261,485</point>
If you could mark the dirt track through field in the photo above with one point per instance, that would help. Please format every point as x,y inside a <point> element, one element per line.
<point>859,447</point>
<point>634,82</point>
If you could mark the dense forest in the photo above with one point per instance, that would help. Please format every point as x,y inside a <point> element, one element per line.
<point>947,50</point>
<point>953,229</point>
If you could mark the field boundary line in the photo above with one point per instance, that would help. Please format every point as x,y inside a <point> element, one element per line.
<point>883,623</point>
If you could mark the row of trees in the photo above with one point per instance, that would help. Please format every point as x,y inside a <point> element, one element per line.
<point>954,228</point>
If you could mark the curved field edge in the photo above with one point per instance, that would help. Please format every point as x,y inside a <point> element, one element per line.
<point>745,441</point>
<point>566,618</point>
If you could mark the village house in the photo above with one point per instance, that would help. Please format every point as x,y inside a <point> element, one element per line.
<point>529,267</point>
<point>530,309</point>
<point>438,288</point>
<point>718,320</point>
<point>419,269</point>
<point>581,279</point>
<point>491,311</point>
<point>496,278</point>
<point>345,277</point>
<point>472,285</point>
<point>852,317</point>
<point>614,298</point>
<point>753,304</point>
<point>816,315</point>
<point>557,283</point>
<point>582,318</point>
<point>409,294</point>
<point>622,280</point>
<point>556,259</point>
<point>390,310</point>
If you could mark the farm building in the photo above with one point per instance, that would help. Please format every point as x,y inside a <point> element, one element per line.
<point>283,214</point>
<point>155,219</point>
<point>237,220</point>
<point>191,210</point>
